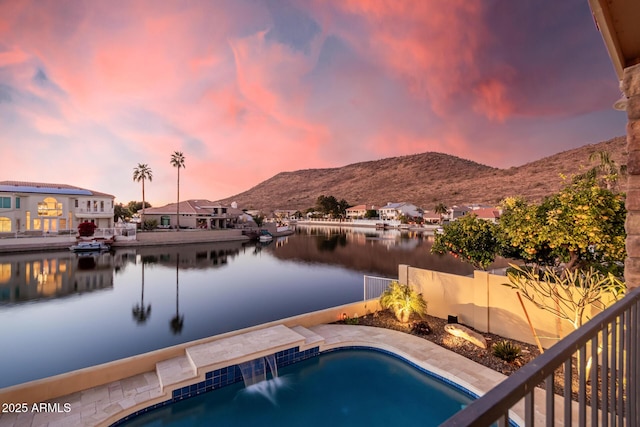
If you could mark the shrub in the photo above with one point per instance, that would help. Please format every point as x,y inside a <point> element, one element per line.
<point>506,351</point>
<point>403,300</point>
<point>150,224</point>
<point>86,229</point>
<point>421,328</point>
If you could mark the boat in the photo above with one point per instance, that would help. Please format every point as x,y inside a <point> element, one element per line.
<point>89,247</point>
<point>265,236</point>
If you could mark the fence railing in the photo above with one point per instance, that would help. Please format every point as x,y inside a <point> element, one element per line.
<point>375,286</point>
<point>607,391</point>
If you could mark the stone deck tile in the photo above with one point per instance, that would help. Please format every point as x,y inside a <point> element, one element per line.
<point>241,348</point>
<point>174,371</point>
<point>311,338</point>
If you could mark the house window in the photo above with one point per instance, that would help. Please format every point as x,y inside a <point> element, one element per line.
<point>17,202</point>
<point>76,203</point>
<point>5,202</point>
<point>49,207</point>
<point>27,223</point>
<point>88,205</point>
<point>5,225</point>
<point>101,205</point>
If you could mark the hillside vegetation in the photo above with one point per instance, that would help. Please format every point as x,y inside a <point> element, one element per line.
<point>424,180</point>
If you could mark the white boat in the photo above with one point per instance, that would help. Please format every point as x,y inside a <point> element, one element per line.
<point>265,236</point>
<point>89,247</point>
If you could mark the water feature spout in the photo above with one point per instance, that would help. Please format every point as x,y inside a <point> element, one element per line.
<point>255,371</point>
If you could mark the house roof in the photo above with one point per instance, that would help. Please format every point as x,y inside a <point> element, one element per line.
<point>487,213</point>
<point>362,208</point>
<point>48,188</point>
<point>393,205</point>
<point>193,206</point>
<point>431,215</point>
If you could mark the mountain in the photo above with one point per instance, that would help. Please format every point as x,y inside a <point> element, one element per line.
<point>424,180</point>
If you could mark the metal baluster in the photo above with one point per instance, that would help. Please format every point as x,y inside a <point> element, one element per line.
<point>614,373</point>
<point>594,381</point>
<point>550,403</point>
<point>604,373</point>
<point>529,410</point>
<point>582,386</point>
<point>567,391</point>
<point>619,412</point>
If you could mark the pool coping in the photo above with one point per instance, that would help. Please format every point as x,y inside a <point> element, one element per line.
<point>108,404</point>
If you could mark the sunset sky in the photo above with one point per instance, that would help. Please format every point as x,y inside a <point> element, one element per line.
<point>249,88</point>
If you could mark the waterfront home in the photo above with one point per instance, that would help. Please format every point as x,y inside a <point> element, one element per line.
<point>430,217</point>
<point>359,211</point>
<point>489,214</point>
<point>200,213</point>
<point>36,207</point>
<point>393,211</point>
<point>456,212</point>
<point>282,214</point>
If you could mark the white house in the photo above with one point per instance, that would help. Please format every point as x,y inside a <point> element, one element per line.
<point>394,210</point>
<point>36,207</point>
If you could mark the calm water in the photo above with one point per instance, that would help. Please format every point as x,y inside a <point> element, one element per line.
<point>60,311</point>
<point>345,388</point>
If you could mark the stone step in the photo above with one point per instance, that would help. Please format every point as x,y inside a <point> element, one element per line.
<point>311,338</point>
<point>242,348</point>
<point>174,371</point>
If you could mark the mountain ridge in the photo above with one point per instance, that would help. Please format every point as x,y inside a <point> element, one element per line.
<point>423,179</point>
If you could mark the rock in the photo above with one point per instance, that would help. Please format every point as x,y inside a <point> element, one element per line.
<point>466,334</point>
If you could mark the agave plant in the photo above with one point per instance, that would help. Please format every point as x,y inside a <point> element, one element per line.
<point>403,301</point>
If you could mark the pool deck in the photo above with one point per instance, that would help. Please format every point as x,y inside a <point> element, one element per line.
<point>104,405</point>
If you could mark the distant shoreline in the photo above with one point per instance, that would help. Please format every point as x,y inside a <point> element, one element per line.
<point>58,243</point>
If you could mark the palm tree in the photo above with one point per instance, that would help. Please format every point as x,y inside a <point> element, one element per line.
<point>441,209</point>
<point>142,173</point>
<point>177,160</point>
<point>607,167</point>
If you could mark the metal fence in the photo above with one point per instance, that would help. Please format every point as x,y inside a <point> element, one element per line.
<point>607,394</point>
<point>375,286</point>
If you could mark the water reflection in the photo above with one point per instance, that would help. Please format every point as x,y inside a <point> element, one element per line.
<point>141,312</point>
<point>177,321</point>
<point>370,251</point>
<point>25,277</point>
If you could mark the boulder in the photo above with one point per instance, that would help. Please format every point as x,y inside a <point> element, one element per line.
<point>466,334</point>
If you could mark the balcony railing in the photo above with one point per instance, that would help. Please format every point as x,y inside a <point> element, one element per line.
<point>611,340</point>
<point>97,210</point>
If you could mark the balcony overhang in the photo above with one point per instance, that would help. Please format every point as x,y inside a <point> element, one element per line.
<point>617,21</point>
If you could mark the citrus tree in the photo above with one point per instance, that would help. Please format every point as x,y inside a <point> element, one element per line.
<point>580,226</point>
<point>470,238</point>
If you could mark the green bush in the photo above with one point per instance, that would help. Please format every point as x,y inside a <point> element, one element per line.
<point>403,300</point>
<point>506,351</point>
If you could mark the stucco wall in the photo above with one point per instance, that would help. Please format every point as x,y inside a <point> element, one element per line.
<point>484,303</point>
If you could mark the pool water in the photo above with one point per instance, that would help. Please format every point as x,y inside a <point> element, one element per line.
<point>339,388</point>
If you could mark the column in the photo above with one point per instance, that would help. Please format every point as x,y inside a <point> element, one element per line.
<point>631,89</point>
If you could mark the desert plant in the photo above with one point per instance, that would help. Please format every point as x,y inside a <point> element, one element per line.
<point>566,295</point>
<point>403,300</point>
<point>506,350</point>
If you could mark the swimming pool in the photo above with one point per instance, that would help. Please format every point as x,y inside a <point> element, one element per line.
<point>352,387</point>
